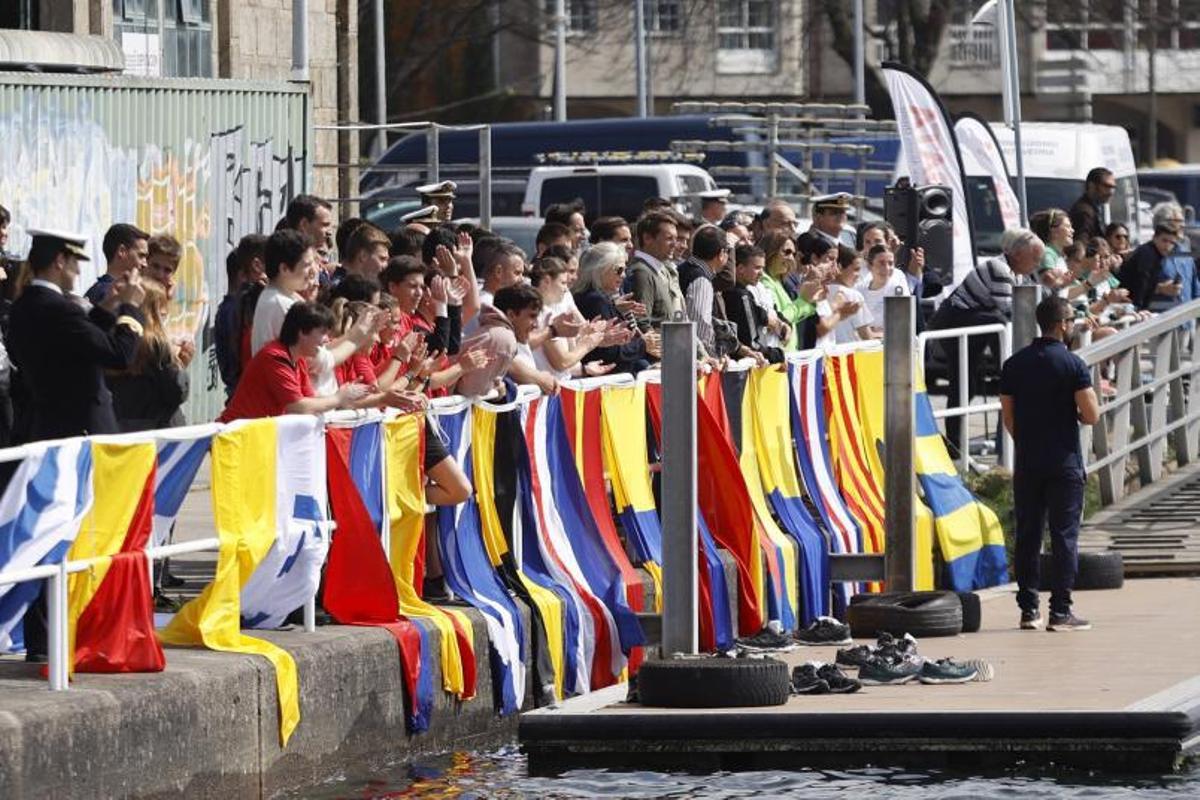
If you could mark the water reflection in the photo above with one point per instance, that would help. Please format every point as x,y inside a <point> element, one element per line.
<point>502,774</point>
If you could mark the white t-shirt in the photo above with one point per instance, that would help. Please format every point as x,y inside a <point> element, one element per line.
<point>896,284</point>
<point>272,307</point>
<point>472,326</point>
<point>847,330</point>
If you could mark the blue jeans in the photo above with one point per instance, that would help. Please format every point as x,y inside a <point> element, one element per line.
<point>1038,499</point>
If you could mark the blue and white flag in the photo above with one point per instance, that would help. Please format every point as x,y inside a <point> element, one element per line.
<point>289,574</point>
<point>40,514</point>
<point>178,462</point>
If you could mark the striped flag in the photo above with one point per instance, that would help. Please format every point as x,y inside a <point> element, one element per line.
<point>40,513</point>
<point>471,575</point>
<point>110,609</point>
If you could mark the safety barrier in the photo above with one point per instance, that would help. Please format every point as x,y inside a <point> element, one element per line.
<point>965,408</point>
<point>1157,400</point>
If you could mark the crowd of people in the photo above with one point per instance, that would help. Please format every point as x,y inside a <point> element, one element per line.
<point>365,318</point>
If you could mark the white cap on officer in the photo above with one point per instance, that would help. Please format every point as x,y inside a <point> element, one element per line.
<point>73,243</point>
<point>439,189</point>
<point>425,214</point>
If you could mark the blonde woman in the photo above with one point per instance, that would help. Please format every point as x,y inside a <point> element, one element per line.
<point>149,394</point>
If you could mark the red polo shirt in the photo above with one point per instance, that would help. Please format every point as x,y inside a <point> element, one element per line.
<point>269,384</point>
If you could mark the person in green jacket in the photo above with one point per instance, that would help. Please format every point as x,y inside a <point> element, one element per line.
<point>780,251</point>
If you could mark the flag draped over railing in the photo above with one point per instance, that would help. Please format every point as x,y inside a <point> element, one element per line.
<point>555,548</point>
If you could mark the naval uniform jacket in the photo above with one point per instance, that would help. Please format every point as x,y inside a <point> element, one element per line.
<point>62,352</point>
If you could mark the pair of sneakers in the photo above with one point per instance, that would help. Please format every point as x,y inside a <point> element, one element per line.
<point>1031,620</point>
<point>882,671</point>
<point>891,647</point>
<point>813,677</point>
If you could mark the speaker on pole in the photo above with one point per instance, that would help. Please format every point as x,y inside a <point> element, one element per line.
<point>923,217</point>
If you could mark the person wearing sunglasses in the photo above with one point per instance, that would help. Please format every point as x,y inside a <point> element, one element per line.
<point>1087,214</point>
<point>1045,394</point>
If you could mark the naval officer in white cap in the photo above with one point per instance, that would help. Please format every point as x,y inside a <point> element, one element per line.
<point>440,194</point>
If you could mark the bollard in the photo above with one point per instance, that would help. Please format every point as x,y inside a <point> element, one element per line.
<point>680,633</point>
<point>1024,316</point>
<point>900,323</point>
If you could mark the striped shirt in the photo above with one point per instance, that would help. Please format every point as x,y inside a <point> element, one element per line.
<point>988,287</point>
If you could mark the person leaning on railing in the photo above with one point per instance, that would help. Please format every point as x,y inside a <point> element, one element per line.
<point>984,297</point>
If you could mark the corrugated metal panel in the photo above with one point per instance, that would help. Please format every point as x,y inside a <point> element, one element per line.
<point>205,160</point>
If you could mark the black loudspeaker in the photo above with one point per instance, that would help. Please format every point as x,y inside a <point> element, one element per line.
<point>900,210</point>
<point>935,232</point>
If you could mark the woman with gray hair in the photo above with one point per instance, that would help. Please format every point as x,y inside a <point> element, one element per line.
<point>601,270</point>
<point>1176,281</point>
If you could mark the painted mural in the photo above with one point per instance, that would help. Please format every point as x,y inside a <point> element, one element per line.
<point>60,167</point>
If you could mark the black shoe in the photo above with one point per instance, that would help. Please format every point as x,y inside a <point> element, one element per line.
<point>855,656</point>
<point>171,581</point>
<point>805,680</point>
<point>165,604</point>
<point>36,658</point>
<point>1031,620</point>
<point>1068,622</point>
<point>825,631</point>
<point>896,648</point>
<point>766,640</point>
<point>839,682</point>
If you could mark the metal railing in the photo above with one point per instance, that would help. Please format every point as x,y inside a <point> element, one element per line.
<point>1155,411</point>
<point>965,409</point>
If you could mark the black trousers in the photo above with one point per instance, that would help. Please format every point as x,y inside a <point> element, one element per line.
<point>1039,499</point>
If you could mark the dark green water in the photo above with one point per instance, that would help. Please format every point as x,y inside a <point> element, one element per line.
<point>502,774</point>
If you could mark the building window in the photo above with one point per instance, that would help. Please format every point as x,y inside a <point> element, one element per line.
<point>185,49</point>
<point>581,15</point>
<point>663,17</point>
<point>746,36</point>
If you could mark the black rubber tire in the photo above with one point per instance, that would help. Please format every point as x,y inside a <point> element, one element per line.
<point>1095,571</point>
<point>923,614</point>
<point>972,612</point>
<point>713,683</point>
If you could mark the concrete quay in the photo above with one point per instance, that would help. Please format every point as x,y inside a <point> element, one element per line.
<point>1124,697</point>
<point>208,726</point>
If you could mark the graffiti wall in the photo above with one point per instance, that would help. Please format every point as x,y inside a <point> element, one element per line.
<point>208,163</point>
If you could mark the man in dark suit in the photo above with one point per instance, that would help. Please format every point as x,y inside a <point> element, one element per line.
<point>61,351</point>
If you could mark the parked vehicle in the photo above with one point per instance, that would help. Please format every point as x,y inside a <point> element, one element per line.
<point>616,190</point>
<point>1181,184</point>
<point>1058,157</point>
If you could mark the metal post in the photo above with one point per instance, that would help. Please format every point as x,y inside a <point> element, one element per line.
<point>772,154</point>
<point>381,115</point>
<point>964,400</point>
<point>560,60</point>
<point>860,67</point>
<point>300,40</point>
<point>680,631</point>
<point>310,615</point>
<point>432,156</point>
<point>56,613</point>
<point>900,322</point>
<point>1024,322</point>
<point>162,39</point>
<point>485,176</point>
<point>1009,29</point>
<point>1006,443</point>
<point>639,44</point>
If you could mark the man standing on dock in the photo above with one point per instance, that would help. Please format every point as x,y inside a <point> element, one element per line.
<point>1045,392</point>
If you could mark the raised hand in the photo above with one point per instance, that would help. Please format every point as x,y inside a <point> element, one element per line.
<point>439,289</point>
<point>594,369</point>
<point>627,305</point>
<point>348,393</point>
<point>457,289</point>
<point>444,260</point>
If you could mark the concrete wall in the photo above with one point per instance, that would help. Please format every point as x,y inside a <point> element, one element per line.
<point>600,65</point>
<point>208,726</point>
<point>254,42</point>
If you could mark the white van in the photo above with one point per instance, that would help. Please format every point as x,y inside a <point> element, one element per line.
<point>1058,157</point>
<point>616,190</point>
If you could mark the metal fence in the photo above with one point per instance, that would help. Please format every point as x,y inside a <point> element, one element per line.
<point>206,161</point>
<point>1154,415</point>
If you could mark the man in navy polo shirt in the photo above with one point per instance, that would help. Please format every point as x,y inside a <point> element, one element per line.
<point>1045,392</point>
